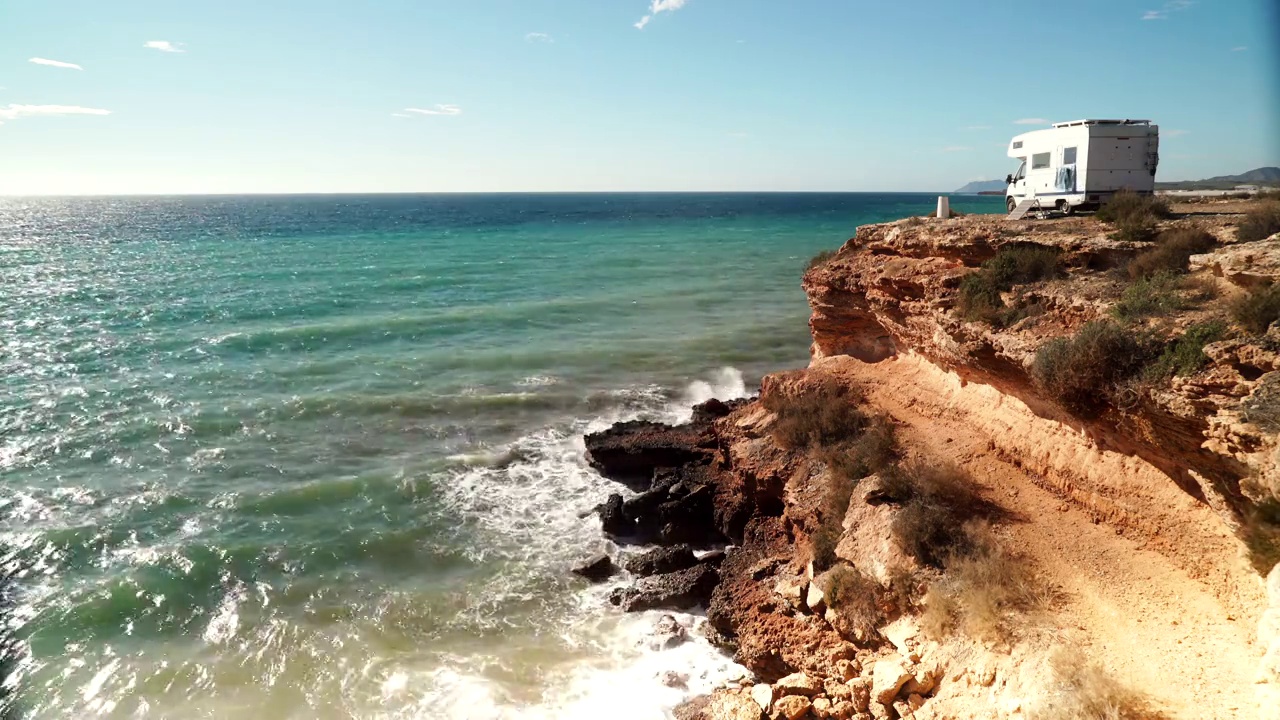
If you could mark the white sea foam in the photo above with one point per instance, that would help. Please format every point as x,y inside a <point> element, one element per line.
<point>536,510</point>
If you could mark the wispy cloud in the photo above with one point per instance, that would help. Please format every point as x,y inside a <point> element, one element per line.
<point>538,37</point>
<point>1174,133</point>
<point>401,115</point>
<point>164,46</point>
<point>437,110</point>
<point>1031,121</point>
<point>659,6</point>
<point>978,127</point>
<point>956,148</point>
<point>1169,7</point>
<point>55,63</point>
<point>1239,48</point>
<point>14,112</point>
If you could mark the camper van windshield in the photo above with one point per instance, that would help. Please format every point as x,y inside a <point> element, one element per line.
<point>1022,171</point>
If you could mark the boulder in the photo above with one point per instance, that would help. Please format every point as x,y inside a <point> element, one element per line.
<point>731,706</point>
<point>668,633</point>
<point>822,707</point>
<point>791,707</point>
<point>674,591</point>
<point>887,678</point>
<point>842,710</point>
<point>630,452</point>
<point>673,679</point>
<point>612,518</point>
<point>800,683</point>
<point>660,561</point>
<point>815,598</point>
<point>596,569</point>
<point>763,695</point>
<point>860,693</point>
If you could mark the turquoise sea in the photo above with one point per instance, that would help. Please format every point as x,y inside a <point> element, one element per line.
<point>320,456</point>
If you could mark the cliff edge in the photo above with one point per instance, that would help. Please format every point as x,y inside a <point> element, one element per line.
<point>1030,472</point>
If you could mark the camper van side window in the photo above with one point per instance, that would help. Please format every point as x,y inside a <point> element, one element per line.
<point>1068,156</point>
<point>1017,145</point>
<point>1040,161</point>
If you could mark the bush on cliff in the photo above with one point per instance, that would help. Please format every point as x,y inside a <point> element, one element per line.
<point>1257,310</point>
<point>1172,253</point>
<point>1081,372</point>
<point>1260,223</point>
<point>854,596</point>
<point>1158,295</point>
<point>1080,690</point>
<point>981,591</point>
<point>1127,205</point>
<point>1185,355</point>
<point>824,415</point>
<point>936,503</point>
<point>1136,217</point>
<point>874,449</point>
<point>980,292</point>
<point>820,259</point>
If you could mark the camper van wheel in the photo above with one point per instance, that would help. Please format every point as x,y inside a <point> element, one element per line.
<point>1011,204</point>
<point>1066,208</point>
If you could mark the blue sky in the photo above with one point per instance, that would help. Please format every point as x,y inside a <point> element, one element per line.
<point>517,95</point>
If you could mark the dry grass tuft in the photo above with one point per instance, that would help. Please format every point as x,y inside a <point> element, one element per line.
<point>1257,310</point>
<point>981,592</point>
<point>825,415</point>
<point>820,259</point>
<point>1260,223</point>
<point>855,597</point>
<point>1082,691</point>
<point>1173,250</point>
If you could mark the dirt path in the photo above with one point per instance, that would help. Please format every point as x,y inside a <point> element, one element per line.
<point>1178,629</point>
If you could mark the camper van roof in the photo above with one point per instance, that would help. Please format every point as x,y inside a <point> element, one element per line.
<point>1102,122</point>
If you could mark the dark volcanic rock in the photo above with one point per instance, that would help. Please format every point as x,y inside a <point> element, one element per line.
<point>674,591</point>
<point>613,517</point>
<point>629,452</point>
<point>596,569</point>
<point>662,560</point>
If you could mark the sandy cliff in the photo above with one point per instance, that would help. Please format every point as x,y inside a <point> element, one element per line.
<point>1135,533</point>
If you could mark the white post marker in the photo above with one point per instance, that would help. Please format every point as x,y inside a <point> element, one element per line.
<point>944,206</point>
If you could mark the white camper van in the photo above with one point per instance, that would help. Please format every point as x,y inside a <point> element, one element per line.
<point>1083,163</point>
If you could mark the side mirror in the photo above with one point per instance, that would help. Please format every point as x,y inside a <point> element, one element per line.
<point>1008,179</point>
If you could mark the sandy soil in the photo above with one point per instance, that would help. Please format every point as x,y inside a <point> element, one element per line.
<point>1172,616</point>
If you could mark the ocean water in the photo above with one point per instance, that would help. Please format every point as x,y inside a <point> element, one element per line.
<point>320,456</point>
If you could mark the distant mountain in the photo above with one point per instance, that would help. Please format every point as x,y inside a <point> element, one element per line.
<point>1261,176</point>
<point>978,186</point>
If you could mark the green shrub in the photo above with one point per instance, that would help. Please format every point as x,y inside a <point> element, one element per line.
<point>1172,253</point>
<point>1257,310</point>
<point>1185,355</point>
<point>1157,295</point>
<point>823,415</point>
<point>1081,372</point>
<point>1126,206</point>
<point>820,259</point>
<point>1260,223</point>
<point>1013,265</point>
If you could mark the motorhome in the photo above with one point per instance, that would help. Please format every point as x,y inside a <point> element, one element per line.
<point>1081,164</point>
